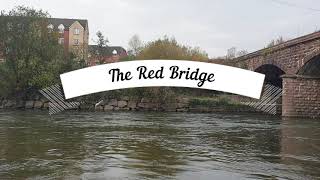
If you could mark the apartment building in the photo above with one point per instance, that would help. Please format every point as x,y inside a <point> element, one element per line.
<point>73,34</point>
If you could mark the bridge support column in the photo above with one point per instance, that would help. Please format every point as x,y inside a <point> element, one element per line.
<point>301,96</point>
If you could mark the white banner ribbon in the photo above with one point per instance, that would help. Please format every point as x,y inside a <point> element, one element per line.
<point>174,73</point>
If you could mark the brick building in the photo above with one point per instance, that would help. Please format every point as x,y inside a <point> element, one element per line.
<point>73,34</point>
<point>107,54</point>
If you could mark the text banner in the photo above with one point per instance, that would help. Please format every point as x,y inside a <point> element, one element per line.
<point>173,73</point>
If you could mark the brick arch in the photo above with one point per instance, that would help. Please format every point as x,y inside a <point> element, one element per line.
<point>306,59</point>
<point>272,64</point>
<point>272,74</point>
<point>254,64</point>
<point>301,96</point>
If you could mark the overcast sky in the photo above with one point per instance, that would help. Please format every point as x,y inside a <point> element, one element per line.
<point>213,25</point>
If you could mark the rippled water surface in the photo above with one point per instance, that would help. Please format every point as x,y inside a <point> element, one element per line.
<point>157,146</point>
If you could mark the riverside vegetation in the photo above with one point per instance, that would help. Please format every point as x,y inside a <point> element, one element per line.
<point>34,60</point>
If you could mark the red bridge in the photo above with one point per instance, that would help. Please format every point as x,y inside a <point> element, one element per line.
<point>295,67</point>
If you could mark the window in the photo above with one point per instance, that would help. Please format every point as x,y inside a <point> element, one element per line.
<point>76,42</point>
<point>61,40</point>
<point>76,31</point>
<point>50,27</point>
<point>61,28</point>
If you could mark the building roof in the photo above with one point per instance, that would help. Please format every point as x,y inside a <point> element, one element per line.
<point>67,22</point>
<point>107,51</point>
<point>56,21</point>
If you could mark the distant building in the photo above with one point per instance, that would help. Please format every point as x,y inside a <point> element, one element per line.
<point>105,55</point>
<point>73,34</point>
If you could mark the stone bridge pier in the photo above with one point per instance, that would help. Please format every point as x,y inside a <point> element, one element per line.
<point>293,66</point>
<point>300,96</point>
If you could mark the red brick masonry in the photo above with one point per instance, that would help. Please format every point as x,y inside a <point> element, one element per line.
<point>301,96</point>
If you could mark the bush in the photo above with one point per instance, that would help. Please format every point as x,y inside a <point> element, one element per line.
<point>33,57</point>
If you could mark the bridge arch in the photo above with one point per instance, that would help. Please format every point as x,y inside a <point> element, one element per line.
<point>311,65</point>
<point>273,74</point>
<point>299,61</point>
<point>301,90</point>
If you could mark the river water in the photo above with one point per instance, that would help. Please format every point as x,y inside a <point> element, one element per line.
<point>135,145</point>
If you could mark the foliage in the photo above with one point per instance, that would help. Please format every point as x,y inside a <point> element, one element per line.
<point>102,43</point>
<point>166,48</point>
<point>214,102</point>
<point>128,58</point>
<point>33,57</point>
<point>274,42</point>
<point>159,95</point>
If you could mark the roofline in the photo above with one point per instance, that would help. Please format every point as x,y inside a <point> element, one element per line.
<point>284,45</point>
<point>46,18</point>
<point>107,46</point>
<point>85,23</point>
<point>69,19</point>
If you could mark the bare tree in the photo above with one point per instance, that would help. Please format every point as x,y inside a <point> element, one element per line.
<point>242,53</point>
<point>276,42</point>
<point>231,53</point>
<point>135,45</point>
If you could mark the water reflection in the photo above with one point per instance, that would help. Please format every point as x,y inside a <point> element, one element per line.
<point>33,146</point>
<point>157,145</point>
<point>300,145</point>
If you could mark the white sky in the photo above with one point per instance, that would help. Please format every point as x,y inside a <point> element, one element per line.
<point>213,25</point>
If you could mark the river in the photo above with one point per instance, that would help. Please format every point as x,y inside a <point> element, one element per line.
<point>133,145</point>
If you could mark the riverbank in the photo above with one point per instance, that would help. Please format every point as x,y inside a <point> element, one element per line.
<point>180,104</point>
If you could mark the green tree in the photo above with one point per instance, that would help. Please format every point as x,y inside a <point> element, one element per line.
<point>102,44</point>
<point>102,41</point>
<point>33,57</point>
<point>166,48</point>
